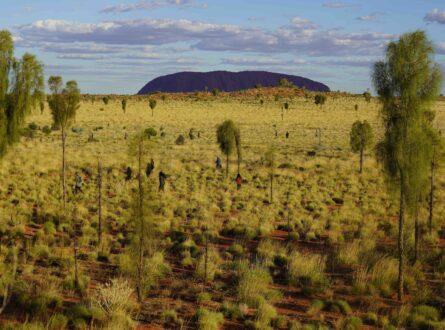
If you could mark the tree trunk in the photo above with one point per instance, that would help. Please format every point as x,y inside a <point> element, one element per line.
<point>227,166</point>
<point>416,235</point>
<point>401,249</point>
<point>431,197</point>
<point>141,224</point>
<point>288,215</point>
<point>99,186</point>
<point>76,270</point>
<point>361,161</point>
<point>6,290</point>
<point>63,169</point>
<point>271,188</point>
<point>206,258</point>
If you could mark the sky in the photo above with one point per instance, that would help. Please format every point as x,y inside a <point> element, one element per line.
<point>117,46</point>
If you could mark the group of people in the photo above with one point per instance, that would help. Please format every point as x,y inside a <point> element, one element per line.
<point>238,179</point>
<point>148,171</point>
<point>78,180</point>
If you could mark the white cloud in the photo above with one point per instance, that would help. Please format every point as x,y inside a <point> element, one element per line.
<point>261,62</point>
<point>301,37</point>
<point>349,61</point>
<point>338,5</point>
<point>369,18</point>
<point>150,5</point>
<point>303,23</point>
<point>435,16</point>
<point>80,57</point>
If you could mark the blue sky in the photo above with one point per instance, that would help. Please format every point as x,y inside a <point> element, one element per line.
<point>116,46</point>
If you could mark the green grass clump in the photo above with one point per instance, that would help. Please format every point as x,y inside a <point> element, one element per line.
<point>253,286</point>
<point>307,270</point>
<point>208,320</point>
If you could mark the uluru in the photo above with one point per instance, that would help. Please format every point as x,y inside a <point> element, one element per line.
<point>187,82</point>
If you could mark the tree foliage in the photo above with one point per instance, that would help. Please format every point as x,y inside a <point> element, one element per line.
<point>407,84</point>
<point>361,136</point>
<point>320,99</point>
<point>21,90</point>
<point>367,96</point>
<point>229,139</point>
<point>63,102</point>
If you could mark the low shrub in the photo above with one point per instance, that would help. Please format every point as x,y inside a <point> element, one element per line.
<point>253,286</point>
<point>180,140</point>
<point>307,270</point>
<point>208,320</point>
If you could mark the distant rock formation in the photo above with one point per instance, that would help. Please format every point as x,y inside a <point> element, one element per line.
<point>187,82</point>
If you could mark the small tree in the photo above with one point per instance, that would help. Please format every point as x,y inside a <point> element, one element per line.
<point>238,148</point>
<point>124,105</point>
<point>99,201</point>
<point>105,100</point>
<point>434,164</point>
<point>63,104</point>
<point>407,83</point>
<point>8,272</point>
<point>270,158</point>
<point>361,137</point>
<point>143,238</point>
<point>152,104</point>
<point>21,90</point>
<point>226,137</point>
<point>320,99</point>
<point>367,96</point>
<point>283,82</point>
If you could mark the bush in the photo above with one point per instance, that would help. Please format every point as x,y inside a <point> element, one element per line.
<point>150,132</point>
<point>307,270</point>
<point>80,312</point>
<point>33,126</point>
<point>180,140</point>
<point>203,297</point>
<point>264,315</point>
<point>57,322</point>
<point>192,133</point>
<point>155,268</point>
<point>267,251</point>
<point>236,250</point>
<point>208,320</point>
<point>253,285</point>
<point>213,263</point>
<point>115,297</point>
<point>370,318</point>
<point>232,311</point>
<point>384,275</point>
<point>46,130</point>
<point>351,323</point>
<point>424,317</point>
<point>169,317</point>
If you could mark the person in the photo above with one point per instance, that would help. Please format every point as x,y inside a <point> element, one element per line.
<point>128,174</point>
<point>150,168</point>
<point>218,163</point>
<point>276,133</point>
<point>238,181</point>
<point>287,134</point>
<point>162,178</point>
<point>78,182</point>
